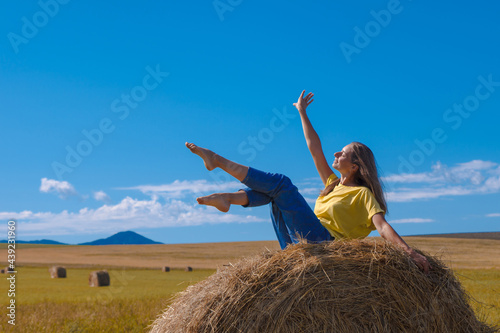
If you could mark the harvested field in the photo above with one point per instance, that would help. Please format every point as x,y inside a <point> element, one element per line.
<point>137,296</point>
<point>457,253</point>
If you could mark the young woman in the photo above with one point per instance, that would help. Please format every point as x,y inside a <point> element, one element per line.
<point>349,207</point>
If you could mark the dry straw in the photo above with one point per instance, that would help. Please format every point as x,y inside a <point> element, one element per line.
<point>342,286</point>
<point>57,272</point>
<point>99,279</point>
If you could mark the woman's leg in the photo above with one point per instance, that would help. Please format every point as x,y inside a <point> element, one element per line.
<point>245,198</point>
<point>222,201</point>
<point>212,161</point>
<point>292,217</point>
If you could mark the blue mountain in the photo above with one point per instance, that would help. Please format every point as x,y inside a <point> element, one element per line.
<point>123,238</point>
<point>41,241</point>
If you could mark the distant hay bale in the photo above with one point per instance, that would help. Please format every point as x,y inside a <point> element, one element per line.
<point>188,269</point>
<point>57,272</point>
<point>342,286</point>
<point>2,271</point>
<point>165,269</point>
<point>99,279</point>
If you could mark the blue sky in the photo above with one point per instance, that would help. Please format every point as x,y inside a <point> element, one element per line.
<point>97,100</point>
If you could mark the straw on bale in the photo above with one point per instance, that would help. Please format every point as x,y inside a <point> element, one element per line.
<point>341,286</point>
<point>188,269</point>
<point>99,279</point>
<point>57,272</point>
<point>165,269</point>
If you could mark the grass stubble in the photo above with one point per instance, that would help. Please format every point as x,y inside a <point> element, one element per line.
<point>137,296</point>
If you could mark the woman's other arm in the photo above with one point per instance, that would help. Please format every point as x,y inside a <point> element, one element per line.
<point>312,138</point>
<point>388,233</point>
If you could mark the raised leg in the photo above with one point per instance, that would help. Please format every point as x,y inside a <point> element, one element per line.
<point>222,201</point>
<point>212,161</point>
<point>291,215</point>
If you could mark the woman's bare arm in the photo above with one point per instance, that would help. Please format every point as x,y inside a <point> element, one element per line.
<point>312,138</point>
<point>388,233</point>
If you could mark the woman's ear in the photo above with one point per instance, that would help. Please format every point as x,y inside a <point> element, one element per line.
<point>355,167</point>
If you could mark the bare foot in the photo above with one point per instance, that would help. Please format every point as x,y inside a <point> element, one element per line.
<point>217,200</point>
<point>208,156</point>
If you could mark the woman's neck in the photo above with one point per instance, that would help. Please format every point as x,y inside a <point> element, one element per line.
<point>348,180</point>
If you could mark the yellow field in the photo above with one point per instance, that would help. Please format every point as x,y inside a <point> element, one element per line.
<point>456,253</point>
<point>139,291</point>
<point>132,301</point>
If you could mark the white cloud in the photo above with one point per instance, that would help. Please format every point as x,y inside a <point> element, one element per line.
<point>102,196</point>
<point>128,214</point>
<point>311,201</point>
<point>462,172</point>
<point>181,188</point>
<point>310,190</point>
<point>412,220</point>
<point>410,194</point>
<point>493,215</point>
<point>409,178</point>
<point>474,177</point>
<point>63,188</point>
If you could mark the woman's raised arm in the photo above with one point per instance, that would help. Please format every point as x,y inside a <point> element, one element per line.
<point>312,138</point>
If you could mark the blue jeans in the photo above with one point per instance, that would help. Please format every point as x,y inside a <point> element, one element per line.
<point>291,215</point>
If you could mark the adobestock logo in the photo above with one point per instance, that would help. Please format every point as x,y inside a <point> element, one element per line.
<point>30,28</point>
<point>372,29</point>
<point>221,6</point>
<point>94,137</point>
<point>453,116</point>
<point>255,143</point>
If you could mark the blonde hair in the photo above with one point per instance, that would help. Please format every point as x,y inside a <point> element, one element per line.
<point>367,174</point>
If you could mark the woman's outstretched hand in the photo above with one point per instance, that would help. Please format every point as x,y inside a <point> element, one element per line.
<point>304,102</point>
<point>420,261</point>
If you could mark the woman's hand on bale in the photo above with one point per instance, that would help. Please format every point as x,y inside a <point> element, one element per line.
<point>304,102</point>
<point>420,261</point>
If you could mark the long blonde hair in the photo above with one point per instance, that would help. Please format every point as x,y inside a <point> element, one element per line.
<point>367,174</point>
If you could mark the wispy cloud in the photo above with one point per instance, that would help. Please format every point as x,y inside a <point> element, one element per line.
<point>493,215</point>
<point>470,171</point>
<point>474,177</point>
<point>180,188</point>
<point>412,220</point>
<point>310,200</point>
<point>62,188</point>
<point>129,213</point>
<point>102,196</point>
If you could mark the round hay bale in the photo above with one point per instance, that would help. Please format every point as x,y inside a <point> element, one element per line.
<point>57,272</point>
<point>188,269</point>
<point>9,269</point>
<point>99,279</point>
<point>2,271</point>
<point>341,286</point>
<point>165,269</point>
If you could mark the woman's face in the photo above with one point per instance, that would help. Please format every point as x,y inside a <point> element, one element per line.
<point>342,162</point>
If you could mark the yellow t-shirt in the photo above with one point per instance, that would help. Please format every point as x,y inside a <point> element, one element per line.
<point>347,211</point>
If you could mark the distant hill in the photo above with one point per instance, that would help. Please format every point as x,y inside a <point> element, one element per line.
<point>41,241</point>
<point>468,235</point>
<point>123,238</point>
